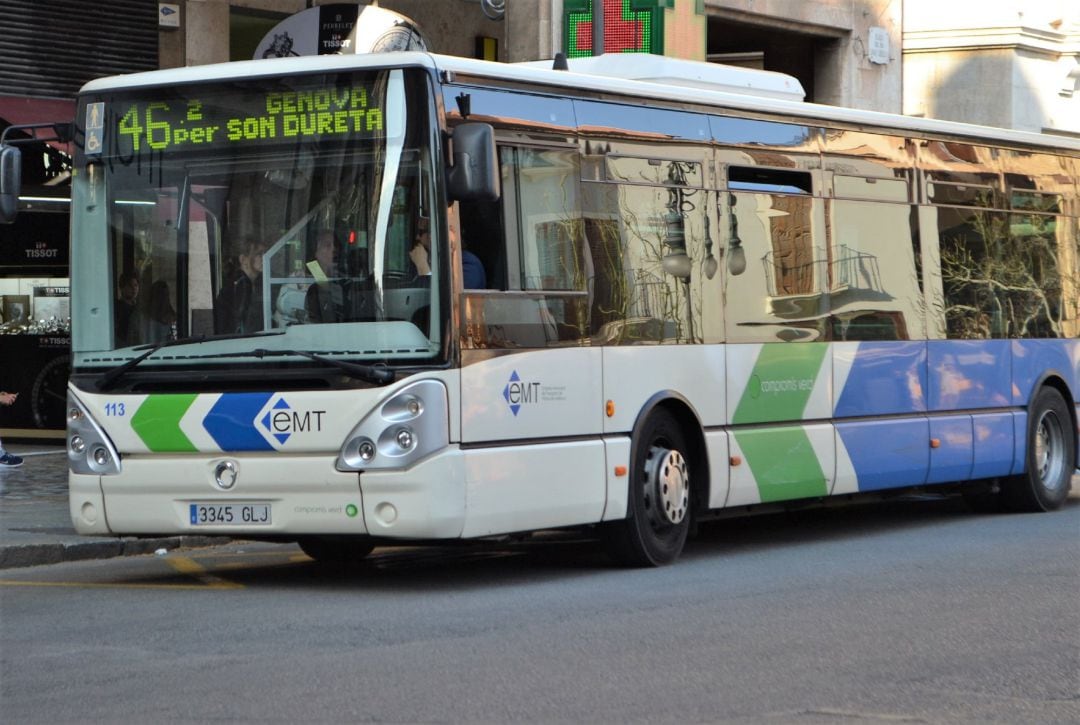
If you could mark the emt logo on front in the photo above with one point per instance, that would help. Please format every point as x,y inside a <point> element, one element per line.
<point>280,421</point>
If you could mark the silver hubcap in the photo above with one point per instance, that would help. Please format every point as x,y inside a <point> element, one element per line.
<point>1049,450</point>
<point>667,485</point>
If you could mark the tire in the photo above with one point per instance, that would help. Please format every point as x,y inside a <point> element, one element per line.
<point>1049,460</point>
<point>345,550</point>
<point>658,501</point>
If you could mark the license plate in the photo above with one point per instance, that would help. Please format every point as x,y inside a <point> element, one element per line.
<point>229,514</point>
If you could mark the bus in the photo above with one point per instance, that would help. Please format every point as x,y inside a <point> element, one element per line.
<point>699,296</point>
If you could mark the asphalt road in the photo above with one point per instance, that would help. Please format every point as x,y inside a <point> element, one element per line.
<point>909,612</point>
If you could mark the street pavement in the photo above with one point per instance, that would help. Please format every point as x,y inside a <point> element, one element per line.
<point>35,526</point>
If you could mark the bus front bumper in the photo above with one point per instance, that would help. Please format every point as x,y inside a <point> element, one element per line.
<point>271,496</point>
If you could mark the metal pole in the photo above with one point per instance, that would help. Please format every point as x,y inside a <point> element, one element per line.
<point>598,27</point>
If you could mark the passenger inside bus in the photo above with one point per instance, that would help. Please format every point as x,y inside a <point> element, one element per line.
<point>472,269</point>
<point>160,324</point>
<point>325,299</point>
<point>127,317</point>
<point>238,307</point>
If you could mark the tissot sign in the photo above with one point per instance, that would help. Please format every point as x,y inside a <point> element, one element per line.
<point>35,241</point>
<point>340,29</point>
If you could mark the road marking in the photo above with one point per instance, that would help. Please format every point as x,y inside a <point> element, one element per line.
<point>187,565</point>
<point>108,585</point>
<point>181,564</point>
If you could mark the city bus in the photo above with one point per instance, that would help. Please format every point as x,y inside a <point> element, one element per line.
<point>698,296</point>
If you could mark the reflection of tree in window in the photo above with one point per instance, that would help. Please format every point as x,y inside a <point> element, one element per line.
<point>1001,273</point>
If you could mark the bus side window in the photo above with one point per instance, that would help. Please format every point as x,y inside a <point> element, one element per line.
<point>540,252</point>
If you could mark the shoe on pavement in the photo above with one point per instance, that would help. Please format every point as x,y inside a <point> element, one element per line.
<point>10,461</point>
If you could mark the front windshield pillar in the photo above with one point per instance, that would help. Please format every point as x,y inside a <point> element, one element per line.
<point>92,295</point>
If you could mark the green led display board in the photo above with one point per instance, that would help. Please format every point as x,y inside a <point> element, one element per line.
<point>199,118</point>
<point>675,28</point>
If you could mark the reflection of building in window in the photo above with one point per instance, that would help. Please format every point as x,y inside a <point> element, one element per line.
<point>790,264</point>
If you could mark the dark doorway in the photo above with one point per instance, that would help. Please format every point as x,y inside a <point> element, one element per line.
<point>766,48</point>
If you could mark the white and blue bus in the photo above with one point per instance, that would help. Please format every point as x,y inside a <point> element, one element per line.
<point>364,300</point>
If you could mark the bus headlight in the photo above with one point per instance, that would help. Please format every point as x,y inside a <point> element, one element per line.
<point>412,424</point>
<point>89,449</point>
<point>405,439</point>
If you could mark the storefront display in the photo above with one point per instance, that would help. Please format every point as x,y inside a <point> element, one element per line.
<point>35,319</point>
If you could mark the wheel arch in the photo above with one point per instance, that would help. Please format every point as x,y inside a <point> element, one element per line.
<point>690,423</point>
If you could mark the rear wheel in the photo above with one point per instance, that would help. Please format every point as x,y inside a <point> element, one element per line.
<point>1050,458</point>
<point>658,505</point>
<point>335,550</point>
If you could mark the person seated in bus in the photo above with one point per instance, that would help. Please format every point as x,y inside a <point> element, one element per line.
<point>238,308</point>
<point>420,252</point>
<point>127,316</point>
<point>472,269</point>
<point>325,298</point>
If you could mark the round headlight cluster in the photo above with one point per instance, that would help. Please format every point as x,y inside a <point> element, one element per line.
<point>408,426</point>
<point>89,449</point>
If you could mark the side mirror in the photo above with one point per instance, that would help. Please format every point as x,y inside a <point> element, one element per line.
<point>474,175</point>
<point>10,182</point>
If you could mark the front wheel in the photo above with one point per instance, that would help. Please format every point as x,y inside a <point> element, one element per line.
<point>335,550</point>
<point>1050,458</point>
<point>658,503</point>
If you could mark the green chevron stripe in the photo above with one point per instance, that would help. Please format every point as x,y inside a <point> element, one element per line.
<point>783,462</point>
<point>157,423</point>
<point>781,383</point>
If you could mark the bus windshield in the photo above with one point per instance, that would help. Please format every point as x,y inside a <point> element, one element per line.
<point>266,214</point>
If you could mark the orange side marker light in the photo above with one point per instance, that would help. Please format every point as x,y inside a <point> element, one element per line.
<point>735,460</point>
<point>609,408</point>
<point>620,471</point>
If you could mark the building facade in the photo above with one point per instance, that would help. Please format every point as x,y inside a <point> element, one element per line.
<point>1007,63</point>
<point>845,52</point>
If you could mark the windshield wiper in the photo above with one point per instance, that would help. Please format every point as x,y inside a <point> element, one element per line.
<point>368,373</point>
<point>111,376</point>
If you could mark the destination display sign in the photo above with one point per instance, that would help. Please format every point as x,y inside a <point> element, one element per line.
<point>214,119</point>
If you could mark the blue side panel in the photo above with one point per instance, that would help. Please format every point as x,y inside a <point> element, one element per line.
<point>994,443</point>
<point>951,460</point>
<point>887,453</point>
<point>1032,359</point>
<point>885,378</point>
<point>969,374</point>
<point>1020,421</point>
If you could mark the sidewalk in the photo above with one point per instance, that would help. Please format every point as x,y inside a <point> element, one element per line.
<point>35,527</point>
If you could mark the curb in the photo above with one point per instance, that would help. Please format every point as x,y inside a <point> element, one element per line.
<point>16,556</point>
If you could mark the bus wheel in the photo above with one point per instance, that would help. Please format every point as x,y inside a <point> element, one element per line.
<point>335,550</point>
<point>658,505</point>
<point>1051,456</point>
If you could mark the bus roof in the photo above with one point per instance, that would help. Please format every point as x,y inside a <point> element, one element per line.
<point>547,80</point>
